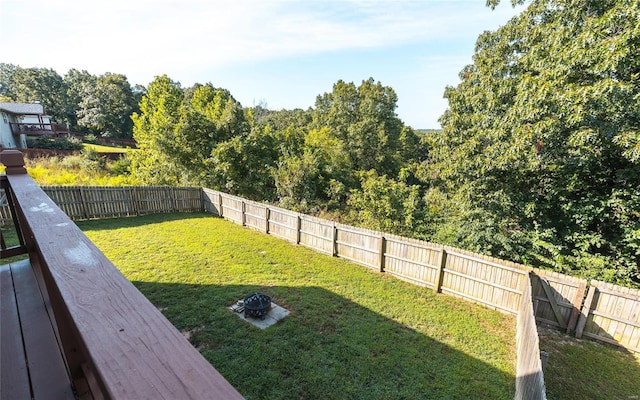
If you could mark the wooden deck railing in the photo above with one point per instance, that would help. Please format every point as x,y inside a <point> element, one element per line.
<point>115,343</point>
<point>38,129</point>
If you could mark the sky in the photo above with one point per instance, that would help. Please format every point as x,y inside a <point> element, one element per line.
<point>278,53</point>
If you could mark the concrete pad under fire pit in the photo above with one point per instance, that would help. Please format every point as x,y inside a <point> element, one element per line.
<point>274,315</point>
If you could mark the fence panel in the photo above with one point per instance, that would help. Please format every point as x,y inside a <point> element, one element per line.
<point>529,374</point>
<point>486,280</point>
<point>69,199</point>
<point>412,260</point>
<point>611,314</point>
<point>106,202</point>
<point>557,298</point>
<point>317,234</point>
<point>232,208</point>
<point>187,199</point>
<point>83,202</point>
<point>283,224</point>
<point>211,202</point>
<point>255,215</point>
<point>154,199</point>
<point>5,211</point>
<point>359,245</point>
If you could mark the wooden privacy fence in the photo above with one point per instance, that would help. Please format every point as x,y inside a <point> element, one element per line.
<point>495,283</point>
<point>85,202</point>
<point>611,314</point>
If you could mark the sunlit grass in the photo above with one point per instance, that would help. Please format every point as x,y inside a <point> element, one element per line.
<point>352,333</point>
<point>106,149</point>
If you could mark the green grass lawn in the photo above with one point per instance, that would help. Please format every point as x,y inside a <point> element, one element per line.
<point>106,149</point>
<point>584,369</point>
<point>352,333</point>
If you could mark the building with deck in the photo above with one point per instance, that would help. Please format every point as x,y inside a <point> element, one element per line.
<point>21,120</point>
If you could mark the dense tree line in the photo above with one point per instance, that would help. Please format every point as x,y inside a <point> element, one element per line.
<point>350,155</point>
<point>538,160</point>
<point>99,105</point>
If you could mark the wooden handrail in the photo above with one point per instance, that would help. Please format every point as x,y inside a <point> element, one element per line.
<point>117,345</point>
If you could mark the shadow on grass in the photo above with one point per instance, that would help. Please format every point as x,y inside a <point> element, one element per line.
<point>327,348</point>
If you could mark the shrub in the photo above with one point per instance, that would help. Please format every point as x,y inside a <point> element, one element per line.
<point>59,143</point>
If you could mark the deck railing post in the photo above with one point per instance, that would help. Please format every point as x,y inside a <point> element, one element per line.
<point>13,161</point>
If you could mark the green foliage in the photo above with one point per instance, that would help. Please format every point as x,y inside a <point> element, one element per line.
<point>152,130</point>
<point>92,161</point>
<point>105,105</point>
<point>36,85</point>
<point>538,146</point>
<point>364,117</point>
<point>387,205</point>
<point>57,143</point>
<point>76,170</point>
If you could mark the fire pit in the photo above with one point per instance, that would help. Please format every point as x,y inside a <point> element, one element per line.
<point>257,305</point>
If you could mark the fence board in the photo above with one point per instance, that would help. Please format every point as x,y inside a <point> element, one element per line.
<point>412,260</point>
<point>358,245</point>
<point>529,375</point>
<point>483,279</point>
<point>612,314</point>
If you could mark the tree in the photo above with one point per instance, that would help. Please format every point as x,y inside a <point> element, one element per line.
<point>40,85</point>
<point>387,205</point>
<point>6,79</point>
<point>318,174</point>
<point>106,105</point>
<point>364,119</point>
<point>153,130</point>
<point>76,82</point>
<point>539,145</point>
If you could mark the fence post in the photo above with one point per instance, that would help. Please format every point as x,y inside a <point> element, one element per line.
<point>244,216</point>
<point>440,274</point>
<point>577,302</point>
<point>335,241</point>
<point>203,203</point>
<point>586,308</point>
<point>85,208</point>
<point>174,199</point>
<point>298,228</point>
<point>381,249</point>
<point>267,214</point>
<point>220,205</point>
